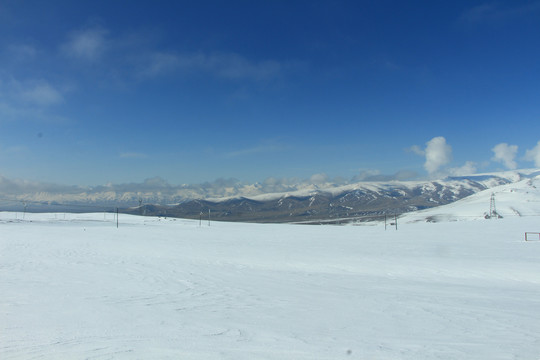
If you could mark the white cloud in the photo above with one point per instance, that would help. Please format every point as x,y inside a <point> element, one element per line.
<point>534,154</point>
<point>318,179</point>
<point>376,175</point>
<point>505,154</point>
<point>417,150</point>
<point>468,168</point>
<point>366,175</point>
<point>438,153</point>
<point>88,44</point>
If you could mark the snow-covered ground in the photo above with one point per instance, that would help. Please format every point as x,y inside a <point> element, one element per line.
<point>76,287</point>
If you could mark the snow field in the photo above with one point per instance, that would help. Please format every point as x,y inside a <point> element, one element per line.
<point>79,288</point>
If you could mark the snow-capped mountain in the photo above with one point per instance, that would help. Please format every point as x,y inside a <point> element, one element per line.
<point>355,202</point>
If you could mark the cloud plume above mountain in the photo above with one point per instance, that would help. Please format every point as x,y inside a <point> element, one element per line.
<point>534,154</point>
<point>505,154</point>
<point>438,153</point>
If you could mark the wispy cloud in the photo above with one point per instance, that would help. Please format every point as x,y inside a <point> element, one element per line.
<point>376,175</point>
<point>42,94</point>
<point>10,112</point>
<point>33,92</point>
<point>21,52</point>
<point>505,154</point>
<point>467,169</point>
<point>224,65</point>
<point>234,66</point>
<point>260,149</point>
<point>479,13</point>
<point>136,58</point>
<point>88,44</point>
<point>20,186</point>
<point>496,11</point>
<point>13,151</point>
<point>161,63</point>
<point>416,150</point>
<point>318,179</point>
<point>366,175</point>
<point>29,100</point>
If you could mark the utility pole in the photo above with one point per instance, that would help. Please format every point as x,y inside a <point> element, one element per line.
<point>24,213</point>
<point>392,223</point>
<point>492,209</point>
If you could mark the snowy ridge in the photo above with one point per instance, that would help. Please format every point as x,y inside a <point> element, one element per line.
<point>158,191</point>
<point>486,179</point>
<point>520,198</point>
<point>306,203</point>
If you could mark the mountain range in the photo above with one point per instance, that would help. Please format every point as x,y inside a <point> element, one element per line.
<point>269,202</point>
<point>362,201</point>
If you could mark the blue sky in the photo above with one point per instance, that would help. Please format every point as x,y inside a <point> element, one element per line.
<point>190,91</point>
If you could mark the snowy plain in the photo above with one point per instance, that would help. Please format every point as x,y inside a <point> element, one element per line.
<point>73,286</point>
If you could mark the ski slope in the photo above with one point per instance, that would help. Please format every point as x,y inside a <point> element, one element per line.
<point>77,287</point>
